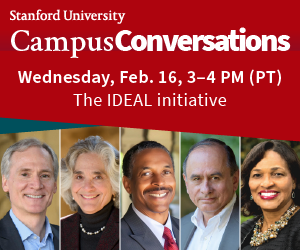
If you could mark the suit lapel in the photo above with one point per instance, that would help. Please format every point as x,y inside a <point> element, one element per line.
<point>55,237</point>
<point>175,229</point>
<point>73,234</point>
<point>9,238</point>
<point>110,236</point>
<point>230,239</point>
<point>141,232</point>
<point>187,235</point>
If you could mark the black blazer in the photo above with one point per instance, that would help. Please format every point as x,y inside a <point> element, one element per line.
<point>10,238</point>
<point>135,234</point>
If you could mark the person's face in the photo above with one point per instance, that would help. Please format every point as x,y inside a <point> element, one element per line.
<point>152,184</point>
<point>208,179</point>
<point>271,183</point>
<point>91,187</point>
<point>31,183</point>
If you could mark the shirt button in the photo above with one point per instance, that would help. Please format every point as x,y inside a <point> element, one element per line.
<point>34,237</point>
<point>205,238</point>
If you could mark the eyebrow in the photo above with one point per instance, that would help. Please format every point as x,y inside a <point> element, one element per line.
<point>213,174</point>
<point>94,172</point>
<point>273,169</point>
<point>146,168</point>
<point>194,176</point>
<point>30,170</point>
<point>217,173</point>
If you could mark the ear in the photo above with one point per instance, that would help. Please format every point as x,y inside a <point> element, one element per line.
<point>184,177</point>
<point>294,183</point>
<point>55,188</point>
<point>235,180</point>
<point>5,184</point>
<point>127,184</point>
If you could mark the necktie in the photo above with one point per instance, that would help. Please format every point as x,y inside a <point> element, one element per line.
<point>170,244</point>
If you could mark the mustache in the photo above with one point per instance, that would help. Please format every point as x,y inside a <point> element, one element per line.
<point>157,189</point>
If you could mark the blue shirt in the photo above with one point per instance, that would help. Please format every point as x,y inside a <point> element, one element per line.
<point>30,240</point>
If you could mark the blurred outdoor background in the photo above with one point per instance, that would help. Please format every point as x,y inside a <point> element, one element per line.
<point>52,139</point>
<point>187,141</point>
<point>248,143</point>
<point>70,136</point>
<point>170,139</point>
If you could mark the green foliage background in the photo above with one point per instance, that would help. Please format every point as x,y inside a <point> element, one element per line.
<point>248,143</point>
<point>187,141</point>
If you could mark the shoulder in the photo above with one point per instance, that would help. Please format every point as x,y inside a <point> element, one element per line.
<point>115,214</point>
<point>6,224</point>
<point>247,226</point>
<point>55,227</point>
<point>70,217</point>
<point>174,220</point>
<point>70,220</point>
<point>186,220</point>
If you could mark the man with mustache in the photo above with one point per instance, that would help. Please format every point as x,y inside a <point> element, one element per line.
<point>211,176</point>
<point>148,170</point>
<point>29,171</point>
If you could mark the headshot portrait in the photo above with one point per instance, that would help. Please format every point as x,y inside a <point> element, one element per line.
<point>211,177</point>
<point>29,170</point>
<point>270,194</point>
<point>90,187</point>
<point>149,180</point>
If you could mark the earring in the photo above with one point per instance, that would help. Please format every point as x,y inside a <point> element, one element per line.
<point>114,198</point>
<point>251,197</point>
<point>293,195</point>
<point>72,198</point>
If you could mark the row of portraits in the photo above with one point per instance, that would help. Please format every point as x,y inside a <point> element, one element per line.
<point>159,189</point>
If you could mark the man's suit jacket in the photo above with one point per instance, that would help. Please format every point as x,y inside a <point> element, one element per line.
<point>10,238</point>
<point>70,232</point>
<point>135,234</point>
<point>230,239</point>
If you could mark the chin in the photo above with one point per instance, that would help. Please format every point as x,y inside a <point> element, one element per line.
<point>159,209</point>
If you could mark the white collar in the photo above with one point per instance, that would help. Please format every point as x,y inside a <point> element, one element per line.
<point>219,219</point>
<point>156,227</point>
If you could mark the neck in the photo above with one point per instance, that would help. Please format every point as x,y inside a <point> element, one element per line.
<point>35,222</point>
<point>159,217</point>
<point>270,217</point>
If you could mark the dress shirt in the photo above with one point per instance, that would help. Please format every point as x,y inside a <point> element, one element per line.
<point>209,237</point>
<point>156,227</point>
<point>30,240</point>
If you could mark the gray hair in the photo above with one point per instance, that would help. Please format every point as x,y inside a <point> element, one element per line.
<point>209,142</point>
<point>108,154</point>
<point>21,146</point>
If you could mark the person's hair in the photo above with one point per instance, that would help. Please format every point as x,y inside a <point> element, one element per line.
<point>211,142</point>
<point>256,154</point>
<point>109,156</point>
<point>21,146</point>
<point>130,155</point>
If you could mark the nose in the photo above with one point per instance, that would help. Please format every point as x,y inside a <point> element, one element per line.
<point>36,183</point>
<point>205,187</point>
<point>88,185</point>
<point>267,182</point>
<point>158,180</point>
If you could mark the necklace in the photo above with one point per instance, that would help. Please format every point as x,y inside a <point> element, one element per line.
<point>259,238</point>
<point>91,233</point>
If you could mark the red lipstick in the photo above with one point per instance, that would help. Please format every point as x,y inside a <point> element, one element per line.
<point>268,194</point>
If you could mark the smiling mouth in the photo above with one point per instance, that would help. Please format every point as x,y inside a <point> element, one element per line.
<point>268,195</point>
<point>158,195</point>
<point>34,196</point>
<point>89,197</point>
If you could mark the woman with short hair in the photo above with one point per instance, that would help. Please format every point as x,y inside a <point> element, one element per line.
<point>90,186</point>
